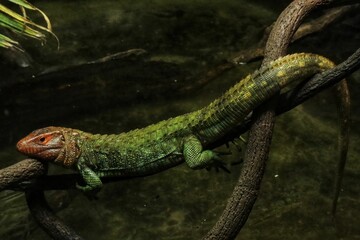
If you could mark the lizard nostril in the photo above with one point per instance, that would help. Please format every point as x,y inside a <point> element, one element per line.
<point>20,146</point>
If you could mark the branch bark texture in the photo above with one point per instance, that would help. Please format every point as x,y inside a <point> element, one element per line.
<point>19,172</point>
<point>244,196</point>
<point>47,219</point>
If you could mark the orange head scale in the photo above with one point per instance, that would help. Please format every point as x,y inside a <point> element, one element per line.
<point>54,144</point>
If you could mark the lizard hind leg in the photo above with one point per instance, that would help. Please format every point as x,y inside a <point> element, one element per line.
<point>195,156</point>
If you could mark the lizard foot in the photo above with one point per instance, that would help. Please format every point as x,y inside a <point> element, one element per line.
<point>217,163</point>
<point>88,191</point>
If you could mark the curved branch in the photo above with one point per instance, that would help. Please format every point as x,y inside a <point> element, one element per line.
<point>245,193</point>
<point>28,169</point>
<point>47,220</point>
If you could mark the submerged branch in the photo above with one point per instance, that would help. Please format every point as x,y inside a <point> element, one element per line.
<point>344,110</point>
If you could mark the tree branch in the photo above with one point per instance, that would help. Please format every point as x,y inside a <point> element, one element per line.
<point>245,193</point>
<point>19,172</point>
<point>47,219</point>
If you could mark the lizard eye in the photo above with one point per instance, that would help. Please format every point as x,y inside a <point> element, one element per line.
<point>44,139</point>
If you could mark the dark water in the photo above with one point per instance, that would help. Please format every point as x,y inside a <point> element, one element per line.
<point>183,39</point>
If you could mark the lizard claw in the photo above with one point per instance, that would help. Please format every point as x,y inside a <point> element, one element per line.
<point>88,191</point>
<point>221,153</point>
<point>217,163</point>
<point>238,142</point>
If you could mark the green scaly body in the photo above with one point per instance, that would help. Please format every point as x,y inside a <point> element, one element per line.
<point>184,138</point>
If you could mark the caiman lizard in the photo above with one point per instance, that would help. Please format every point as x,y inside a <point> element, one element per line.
<point>170,142</point>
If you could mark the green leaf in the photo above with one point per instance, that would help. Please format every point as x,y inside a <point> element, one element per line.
<point>27,5</point>
<point>19,27</point>
<point>6,42</point>
<point>21,24</point>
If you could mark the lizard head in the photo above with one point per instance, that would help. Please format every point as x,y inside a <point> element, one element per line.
<point>53,144</point>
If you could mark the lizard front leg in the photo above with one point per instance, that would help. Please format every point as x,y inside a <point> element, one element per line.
<point>194,155</point>
<point>92,181</point>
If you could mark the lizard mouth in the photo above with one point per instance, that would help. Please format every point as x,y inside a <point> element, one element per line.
<point>43,153</point>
